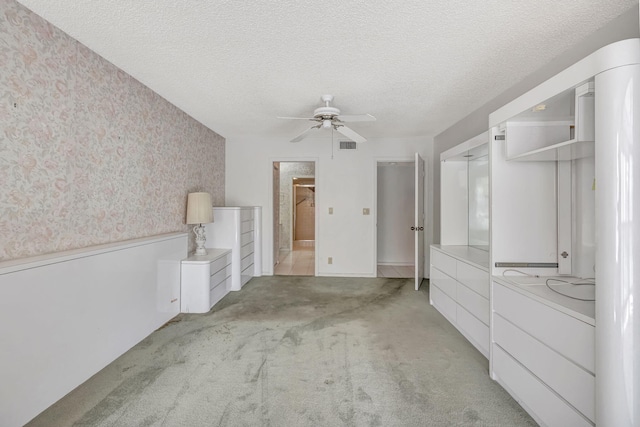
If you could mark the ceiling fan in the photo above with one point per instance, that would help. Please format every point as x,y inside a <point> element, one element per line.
<point>328,117</point>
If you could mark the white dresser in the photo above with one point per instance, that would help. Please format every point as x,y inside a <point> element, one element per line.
<point>238,228</point>
<point>543,350</point>
<point>459,289</point>
<point>204,280</point>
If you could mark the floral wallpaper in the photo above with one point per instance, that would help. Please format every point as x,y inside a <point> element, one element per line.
<point>88,154</point>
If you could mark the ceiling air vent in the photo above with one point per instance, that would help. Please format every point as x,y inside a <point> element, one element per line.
<point>348,145</point>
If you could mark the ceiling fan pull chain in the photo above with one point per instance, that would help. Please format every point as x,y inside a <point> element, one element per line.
<point>332,143</point>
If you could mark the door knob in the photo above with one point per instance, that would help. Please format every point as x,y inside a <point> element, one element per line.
<point>413,228</point>
<point>420,228</point>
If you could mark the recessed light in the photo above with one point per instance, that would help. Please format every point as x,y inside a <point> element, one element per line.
<point>539,107</point>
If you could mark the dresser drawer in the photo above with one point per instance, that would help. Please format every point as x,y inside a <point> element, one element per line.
<point>475,330</point>
<point>246,226</point>
<point>246,214</point>
<point>570,337</point>
<point>246,250</point>
<point>474,278</point>
<point>247,273</point>
<point>444,263</point>
<point>219,264</point>
<point>219,291</point>
<point>220,277</point>
<point>473,303</point>
<point>444,282</point>
<point>443,303</point>
<point>246,238</point>
<point>571,382</point>
<point>533,395</point>
<point>246,262</point>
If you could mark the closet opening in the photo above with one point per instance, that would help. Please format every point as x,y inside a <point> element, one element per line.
<point>395,217</point>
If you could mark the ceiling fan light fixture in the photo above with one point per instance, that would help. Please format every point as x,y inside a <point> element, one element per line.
<point>328,117</point>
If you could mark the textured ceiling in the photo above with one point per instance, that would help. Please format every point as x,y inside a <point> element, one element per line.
<point>417,65</point>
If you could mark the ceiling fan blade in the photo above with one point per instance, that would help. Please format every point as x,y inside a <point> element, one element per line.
<point>297,118</point>
<point>356,118</point>
<point>303,135</point>
<point>351,134</point>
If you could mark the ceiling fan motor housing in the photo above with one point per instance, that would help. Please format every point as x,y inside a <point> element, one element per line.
<point>326,113</point>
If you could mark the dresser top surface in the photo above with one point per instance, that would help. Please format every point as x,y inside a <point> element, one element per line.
<point>468,254</point>
<point>212,255</point>
<point>536,288</point>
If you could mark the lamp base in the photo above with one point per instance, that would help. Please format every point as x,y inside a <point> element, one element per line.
<point>201,238</point>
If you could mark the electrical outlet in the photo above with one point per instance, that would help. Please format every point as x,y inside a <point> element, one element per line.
<point>365,211</point>
<point>330,260</point>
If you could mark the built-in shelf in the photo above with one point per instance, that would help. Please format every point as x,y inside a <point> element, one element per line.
<point>559,129</point>
<point>567,150</point>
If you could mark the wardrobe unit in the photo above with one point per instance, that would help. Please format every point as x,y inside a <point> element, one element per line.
<point>564,188</point>
<point>563,237</point>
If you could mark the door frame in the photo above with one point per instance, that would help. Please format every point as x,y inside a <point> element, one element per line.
<point>376,160</point>
<point>269,233</point>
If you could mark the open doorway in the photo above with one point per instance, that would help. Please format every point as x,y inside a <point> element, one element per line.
<point>395,218</point>
<point>294,218</point>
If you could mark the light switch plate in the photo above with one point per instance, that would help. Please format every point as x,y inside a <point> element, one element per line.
<point>330,211</point>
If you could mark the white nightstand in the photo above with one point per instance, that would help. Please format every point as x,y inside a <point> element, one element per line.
<point>204,280</point>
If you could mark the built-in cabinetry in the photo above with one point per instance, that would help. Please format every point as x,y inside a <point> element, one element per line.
<point>238,228</point>
<point>459,273</point>
<point>205,279</point>
<point>544,352</point>
<point>459,289</point>
<point>560,309</point>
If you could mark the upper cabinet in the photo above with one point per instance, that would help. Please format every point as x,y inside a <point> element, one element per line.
<point>558,128</point>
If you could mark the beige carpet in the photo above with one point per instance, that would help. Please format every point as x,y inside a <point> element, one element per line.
<point>298,351</point>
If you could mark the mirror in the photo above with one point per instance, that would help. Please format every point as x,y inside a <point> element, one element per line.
<point>478,196</point>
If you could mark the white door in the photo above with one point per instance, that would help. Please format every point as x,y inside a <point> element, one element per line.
<point>419,220</point>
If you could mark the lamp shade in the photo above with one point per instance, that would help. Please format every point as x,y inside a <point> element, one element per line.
<point>199,210</point>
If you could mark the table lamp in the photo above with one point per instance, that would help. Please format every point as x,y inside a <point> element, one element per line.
<point>199,211</point>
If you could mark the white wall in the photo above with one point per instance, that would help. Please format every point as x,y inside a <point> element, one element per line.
<point>67,315</point>
<point>345,182</point>
<point>396,200</point>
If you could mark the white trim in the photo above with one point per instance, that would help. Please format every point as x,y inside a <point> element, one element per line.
<point>56,257</point>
